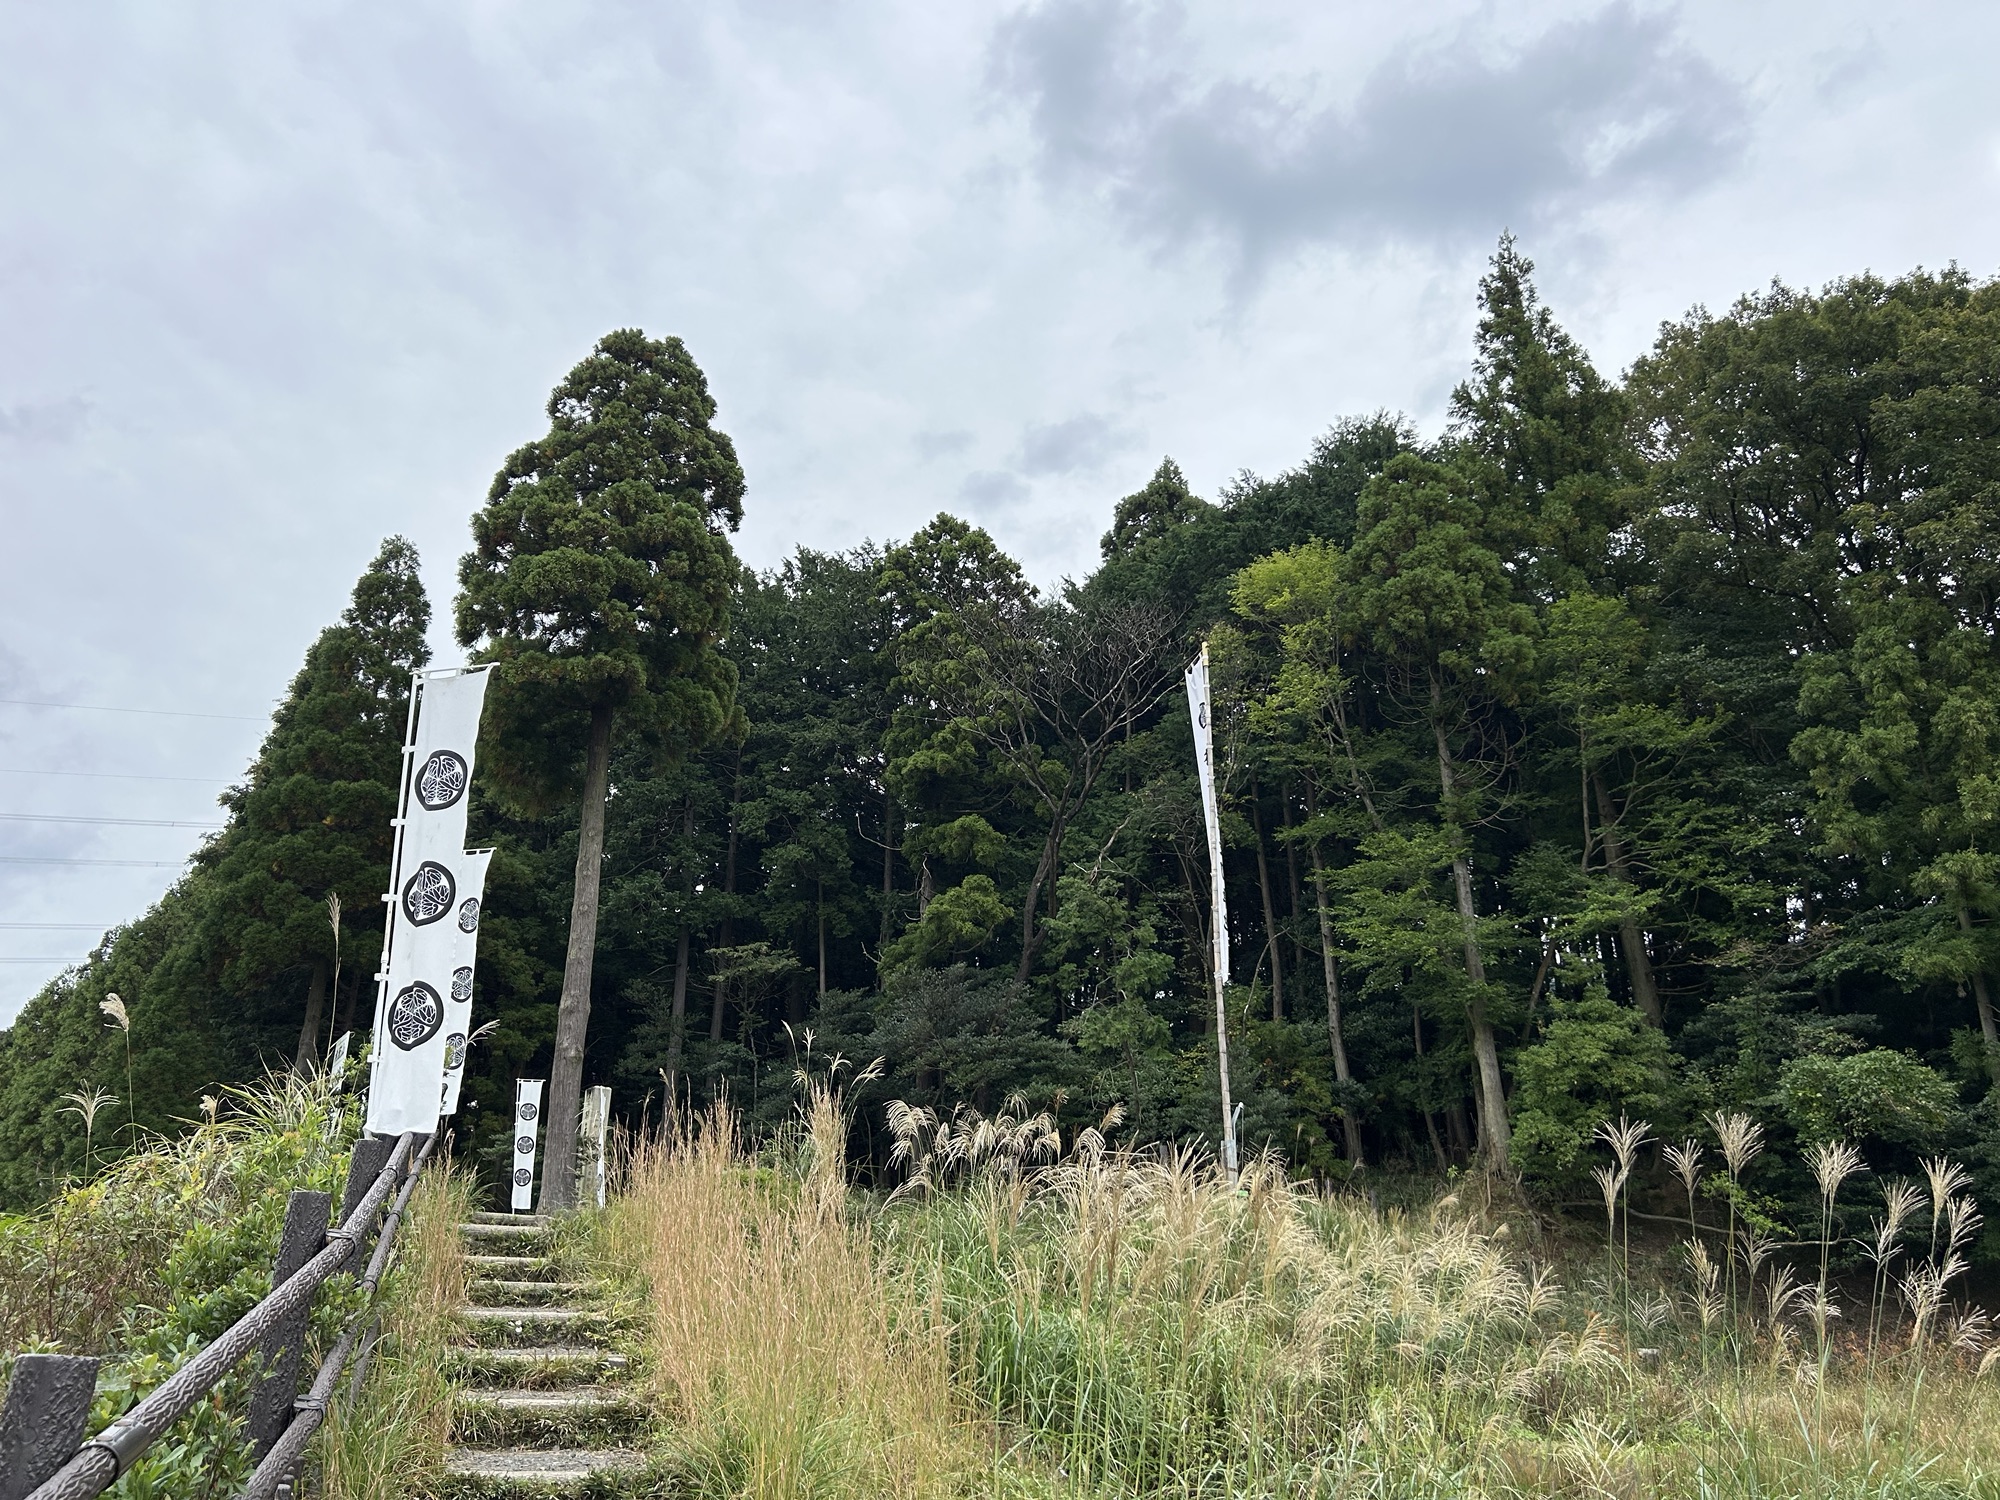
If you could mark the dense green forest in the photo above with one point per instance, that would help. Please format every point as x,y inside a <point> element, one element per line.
<point>1629,747</point>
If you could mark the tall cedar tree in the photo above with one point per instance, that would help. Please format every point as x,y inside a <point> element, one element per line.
<point>314,818</point>
<point>600,583</point>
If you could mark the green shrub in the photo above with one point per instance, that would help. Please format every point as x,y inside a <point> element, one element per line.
<point>1869,1096</point>
<point>1595,1061</point>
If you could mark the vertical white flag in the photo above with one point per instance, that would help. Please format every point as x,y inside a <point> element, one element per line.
<point>1199,709</point>
<point>465,951</point>
<point>429,903</point>
<point>527,1128</point>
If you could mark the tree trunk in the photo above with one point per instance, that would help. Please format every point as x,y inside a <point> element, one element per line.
<point>728,920</point>
<point>1495,1135</point>
<point>677,1019</point>
<point>1989,1029</point>
<point>1270,915</point>
<point>344,1009</point>
<point>1044,871</point>
<point>1631,940</point>
<point>1430,1119</point>
<point>821,885</point>
<point>573,1013</point>
<point>1291,875</point>
<point>1459,1127</point>
<point>677,1023</point>
<point>1350,1127</point>
<point>888,872</point>
<point>306,1062</point>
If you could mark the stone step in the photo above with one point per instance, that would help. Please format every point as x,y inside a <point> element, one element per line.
<point>507,1267</point>
<point>494,1326</point>
<point>540,1221</point>
<point>576,1417</point>
<point>538,1366</point>
<point>497,1293</point>
<point>504,1234</point>
<point>582,1398</point>
<point>482,1472</point>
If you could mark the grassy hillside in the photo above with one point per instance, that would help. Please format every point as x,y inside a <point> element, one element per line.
<point>1043,1318</point>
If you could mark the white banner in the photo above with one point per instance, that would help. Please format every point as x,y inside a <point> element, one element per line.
<point>465,952</point>
<point>448,706</point>
<point>1204,757</point>
<point>431,902</point>
<point>527,1129</point>
<point>1200,708</point>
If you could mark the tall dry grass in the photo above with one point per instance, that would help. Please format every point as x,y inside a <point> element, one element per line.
<point>1056,1318</point>
<point>1146,1330</point>
<point>792,1357</point>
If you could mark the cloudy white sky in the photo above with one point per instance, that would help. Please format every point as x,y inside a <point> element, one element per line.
<point>276,281</point>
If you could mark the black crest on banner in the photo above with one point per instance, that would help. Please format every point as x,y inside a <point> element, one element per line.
<point>442,780</point>
<point>415,1015</point>
<point>428,894</point>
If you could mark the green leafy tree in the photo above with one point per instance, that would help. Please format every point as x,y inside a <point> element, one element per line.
<point>1429,587</point>
<point>600,583</point>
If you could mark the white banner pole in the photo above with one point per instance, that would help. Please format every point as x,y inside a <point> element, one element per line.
<point>402,824</point>
<point>527,1131</point>
<point>1204,754</point>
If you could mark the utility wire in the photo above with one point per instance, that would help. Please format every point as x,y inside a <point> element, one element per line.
<point>126,864</point>
<point>116,775</point>
<point>107,822</point>
<point>105,708</point>
<point>56,926</point>
<point>51,959</point>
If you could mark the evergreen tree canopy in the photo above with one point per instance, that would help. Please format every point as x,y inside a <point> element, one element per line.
<point>600,583</point>
<point>601,572</point>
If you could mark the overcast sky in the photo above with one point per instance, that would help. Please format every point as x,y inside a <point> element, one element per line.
<point>277,281</point>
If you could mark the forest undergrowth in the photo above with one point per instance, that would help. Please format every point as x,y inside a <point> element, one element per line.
<point>1041,1314</point>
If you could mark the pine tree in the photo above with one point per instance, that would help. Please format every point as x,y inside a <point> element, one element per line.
<point>600,581</point>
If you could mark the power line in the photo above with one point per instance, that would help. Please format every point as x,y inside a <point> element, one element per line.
<point>105,708</point>
<point>107,822</point>
<point>126,864</point>
<point>116,775</point>
<point>64,959</point>
<point>57,926</point>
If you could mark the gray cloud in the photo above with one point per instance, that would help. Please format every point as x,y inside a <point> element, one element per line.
<point>993,489</point>
<point>1078,444</point>
<point>45,421</point>
<point>1444,141</point>
<point>932,445</point>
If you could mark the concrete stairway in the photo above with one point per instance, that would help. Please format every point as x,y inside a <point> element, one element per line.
<point>541,1409</point>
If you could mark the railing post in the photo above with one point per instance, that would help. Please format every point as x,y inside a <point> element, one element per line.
<point>41,1421</point>
<point>371,1155</point>
<point>271,1400</point>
